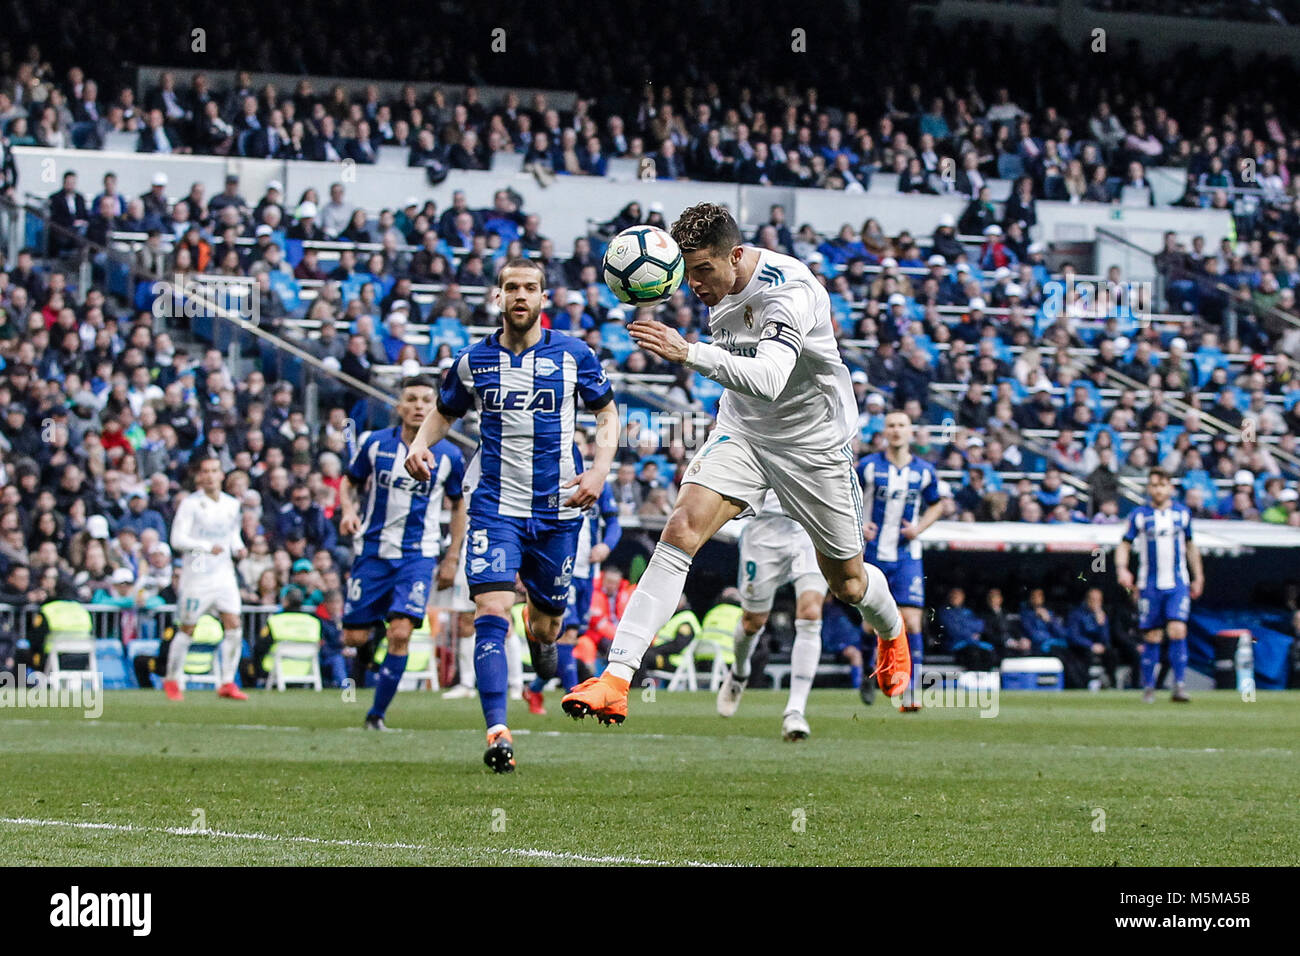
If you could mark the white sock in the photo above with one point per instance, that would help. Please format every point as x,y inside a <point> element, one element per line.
<point>745,644</point>
<point>877,607</point>
<point>652,603</point>
<point>804,657</point>
<point>465,661</point>
<point>179,647</point>
<point>232,648</point>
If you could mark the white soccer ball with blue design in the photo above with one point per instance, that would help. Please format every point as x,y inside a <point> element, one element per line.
<point>643,265</point>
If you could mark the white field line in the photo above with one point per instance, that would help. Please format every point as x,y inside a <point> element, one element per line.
<point>359,844</point>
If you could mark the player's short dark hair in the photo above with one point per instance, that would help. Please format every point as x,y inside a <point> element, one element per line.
<point>521,262</point>
<point>706,226</point>
<point>418,381</point>
<point>1159,473</point>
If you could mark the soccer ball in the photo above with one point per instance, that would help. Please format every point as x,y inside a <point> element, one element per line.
<point>643,265</point>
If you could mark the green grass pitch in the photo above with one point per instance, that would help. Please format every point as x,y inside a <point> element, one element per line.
<point>1054,779</point>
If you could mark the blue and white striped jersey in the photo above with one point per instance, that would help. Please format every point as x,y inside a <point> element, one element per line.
<point>896,495</point>
<point>528,409</point>
<point>600,524</point>
<point>1160,539</point>
<point>402,516</point>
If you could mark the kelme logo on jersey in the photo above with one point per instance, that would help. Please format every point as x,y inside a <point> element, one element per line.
<point>496,399</point>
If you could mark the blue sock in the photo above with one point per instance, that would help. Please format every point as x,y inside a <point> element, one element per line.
<point>1178,659</point>
<point>568,667</point>
<point>490,668</point>
<point>536,685</point>
<point>390,675</point>
<point>916,645</point>
<point>855,675</point>
<point>1150,661</point>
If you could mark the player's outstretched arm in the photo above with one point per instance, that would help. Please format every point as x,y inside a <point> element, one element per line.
<point>762,375</point>
<point>592,481</point>
<point>350,523</point>
<point>1122,573</point>
<point>434,428</point>
<point>450,560</point>
<point>1194,565</point>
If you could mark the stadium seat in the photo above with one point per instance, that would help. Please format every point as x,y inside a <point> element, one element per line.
<point>293,661</point>
<point>613,335</point>
<point>421,659</point>
<point>287,290</point>
<point>714,646</point>
<point>201,661</point>
<point>74,641</point>
<point>110,655</point>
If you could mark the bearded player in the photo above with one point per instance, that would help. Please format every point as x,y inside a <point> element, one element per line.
<point>785,423</point>
<point>526,511</point>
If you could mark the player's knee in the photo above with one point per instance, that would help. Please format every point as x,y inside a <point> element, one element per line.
<point>399,634</point>
<point>752,621</point>
<point>544,627</point>
<point>850,590</point>
<point>353,637</point>
<point>808,607</point>
<point>683,531</point>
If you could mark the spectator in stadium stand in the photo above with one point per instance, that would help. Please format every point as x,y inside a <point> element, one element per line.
<point>978,215</point>
<point>1089,643</point>
<point>961,633</point>
<point>303,515</point>
<point>1042,626</point>
<point>1000,630</point>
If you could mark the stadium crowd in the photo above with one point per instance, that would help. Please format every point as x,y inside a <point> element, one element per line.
<point>104,404</point>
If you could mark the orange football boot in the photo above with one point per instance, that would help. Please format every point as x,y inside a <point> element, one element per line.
<point>604,698</point>
<point>893,664</point>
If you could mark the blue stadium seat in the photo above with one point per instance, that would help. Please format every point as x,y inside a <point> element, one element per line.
<point>448,330</point>
<point>1010,166</point>
<point>111,658</point>
<point>287,289</point>
<point>707,391</point>
<point>613,335</point>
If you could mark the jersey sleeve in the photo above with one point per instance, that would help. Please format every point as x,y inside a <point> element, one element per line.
<point>182,538</point>
<point>763,375</point>
<point>1131,532</point>
<point>454,486</point>
<point>593,383</point>
<point>1187,524</point>
<point>930,492</point>
<point>609,514</point>
<point>454,396</point>
<point>359,469</point>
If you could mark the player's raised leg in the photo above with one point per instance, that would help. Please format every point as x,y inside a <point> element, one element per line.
<point>696,518</point>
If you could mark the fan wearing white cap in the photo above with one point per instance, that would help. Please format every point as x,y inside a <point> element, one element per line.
<point>206,533</point>
<point>995,253</point>
<point>1170,577</point>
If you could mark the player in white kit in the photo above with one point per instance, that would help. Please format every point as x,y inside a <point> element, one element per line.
<point>205,532</point>
<point>774,550</point>
<point>786,422</point>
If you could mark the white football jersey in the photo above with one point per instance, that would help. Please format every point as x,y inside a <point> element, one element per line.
<point>784,302</point>
<point>199,524</point>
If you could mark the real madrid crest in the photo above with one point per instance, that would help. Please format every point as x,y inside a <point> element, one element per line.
<point>749,317</point>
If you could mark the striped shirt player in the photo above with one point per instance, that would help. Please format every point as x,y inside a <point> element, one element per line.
<point>897,496</point>
<point>527,406</point>
<point>1161,537</point>
<point>400,542</point>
